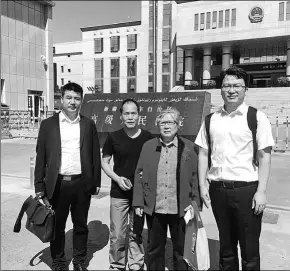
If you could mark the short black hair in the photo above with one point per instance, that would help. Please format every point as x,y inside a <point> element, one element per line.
<point>72,87</point>
<point>237,72</point>
<point>129,100</point>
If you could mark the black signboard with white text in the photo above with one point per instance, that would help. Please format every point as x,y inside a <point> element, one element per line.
<point>104,109</point>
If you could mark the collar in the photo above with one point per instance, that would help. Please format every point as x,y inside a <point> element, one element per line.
<point>174,142</point>
<point>242,109</point>
<point>64,118</point>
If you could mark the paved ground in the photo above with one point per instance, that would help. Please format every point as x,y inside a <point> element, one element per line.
<point>23,251</point>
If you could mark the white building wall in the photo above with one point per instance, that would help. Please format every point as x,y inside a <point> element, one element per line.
<point>244,29</point>
<point>89,56</point>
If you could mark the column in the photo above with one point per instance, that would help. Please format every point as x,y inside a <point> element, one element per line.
<point>288,60</point>
<point>226,56</point>
<point>206,65</point>
<point>189,55</point>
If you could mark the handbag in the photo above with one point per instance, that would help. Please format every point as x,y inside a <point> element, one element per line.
<point>196,250</point>
<point>40,219</point>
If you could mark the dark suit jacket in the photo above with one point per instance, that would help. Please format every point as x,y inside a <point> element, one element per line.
<point>48,157</point>
<point>145,183</point>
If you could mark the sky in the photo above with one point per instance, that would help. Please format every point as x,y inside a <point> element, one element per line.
<point>69,16</point>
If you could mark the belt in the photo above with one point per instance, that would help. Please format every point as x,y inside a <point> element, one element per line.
<point>232,184</point>
<point>69,177</point>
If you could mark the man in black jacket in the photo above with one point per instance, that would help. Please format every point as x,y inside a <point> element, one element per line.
<point>68,172</point>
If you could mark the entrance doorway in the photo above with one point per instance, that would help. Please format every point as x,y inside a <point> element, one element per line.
<point>35,106</point>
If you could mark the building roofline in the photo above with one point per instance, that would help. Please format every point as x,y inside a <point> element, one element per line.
<point>108,26</point>
<point>66,54</point>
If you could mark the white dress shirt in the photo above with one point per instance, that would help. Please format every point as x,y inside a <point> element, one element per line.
<point>70,145</point>
<point>232,144</point>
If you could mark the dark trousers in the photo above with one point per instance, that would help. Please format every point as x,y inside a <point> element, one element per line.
<point>157,235</point>
<point>237,223</point>
<point>70,196</point>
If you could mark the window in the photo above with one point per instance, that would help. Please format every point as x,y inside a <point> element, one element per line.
<point>62,81</point>
<point>99,74</point>
<point>165,82</point>
<point>227,18</point>
<point>131,66</point>
<point>167,14</point>
<point>288,11</point>
<point>131,42</point>
<point>115,62</point>
<point>131,73</point>
<point>202,21</point>
<point>115,85</point>
<point>208,20</point>
<point>281,11</point>
<point>196,22</point>
<point>68,70</point>
<point>98,45</point>
<point>234,19</point>
<point>115,44</point>
<point>166,38</point>
<point>214,19</point>
<point>221,18</point>
<point>61,69</point>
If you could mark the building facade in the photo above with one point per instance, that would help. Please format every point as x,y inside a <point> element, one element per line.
<point>67,63</point>
<point>27,61</point>
<point>254,35</point>
<point>177,42</point>
<point>111,58</point>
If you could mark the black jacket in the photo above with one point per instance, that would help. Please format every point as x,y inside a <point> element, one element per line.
<point>48,155</point>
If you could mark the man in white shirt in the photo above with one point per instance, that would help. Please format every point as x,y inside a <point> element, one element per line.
<point>237,190</point>
<point>68,172</point>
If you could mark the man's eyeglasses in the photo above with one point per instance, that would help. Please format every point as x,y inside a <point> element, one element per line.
<point>235,87</point>
<point>168,123</point>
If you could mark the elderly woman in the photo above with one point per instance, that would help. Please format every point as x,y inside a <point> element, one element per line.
<point>165,186</point>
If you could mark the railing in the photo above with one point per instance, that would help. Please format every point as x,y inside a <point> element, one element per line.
<point>20,122</point>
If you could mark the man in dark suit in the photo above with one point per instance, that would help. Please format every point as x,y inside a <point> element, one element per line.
<point>68,172</point>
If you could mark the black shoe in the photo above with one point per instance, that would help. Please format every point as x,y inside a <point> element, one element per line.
<point>80,267</point>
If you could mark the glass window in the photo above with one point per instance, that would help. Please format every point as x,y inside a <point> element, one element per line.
<point>37,19</point>
<point>165,57</point>
<point>196,22</point>
<point>288,11</point>
<point>99,68</point>
<point>62,69</point>
<point>131,85</point>
<point>151,40</point>
<point>202,21</point>
<point>167,14</point>
<point>165,67</point>
<point>11,9</point>
<point>98,45</point>
<point>131,66</point>
<point>227,18</point>
<point>115,67</point>
<point>25,14</point>
<point>214,19</point>
<point>4,8</point>
<point>99,85</point>
<point>131,42</point>
<point>31,4</point>
<point>115,44</point>
<point>221,18</point>
<point>165,82</point>
<point>18,12</point>
<point>151,17</point>
<point>31,19</point>
<point>25,3</point>
<point>62,81</point>
<point>114,85</point>
<point>37,6</point>
<point>234,19</point>
<point>281,11</point>
<point>208,20</point>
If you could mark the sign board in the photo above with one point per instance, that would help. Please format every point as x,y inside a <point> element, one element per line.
<point>104,109</point>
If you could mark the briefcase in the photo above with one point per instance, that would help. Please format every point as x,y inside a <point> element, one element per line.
<point>40,219</point>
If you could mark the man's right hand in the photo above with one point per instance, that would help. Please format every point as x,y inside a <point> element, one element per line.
<point>139,211</point>
<point>204,194</point>
<point>122,182</point>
